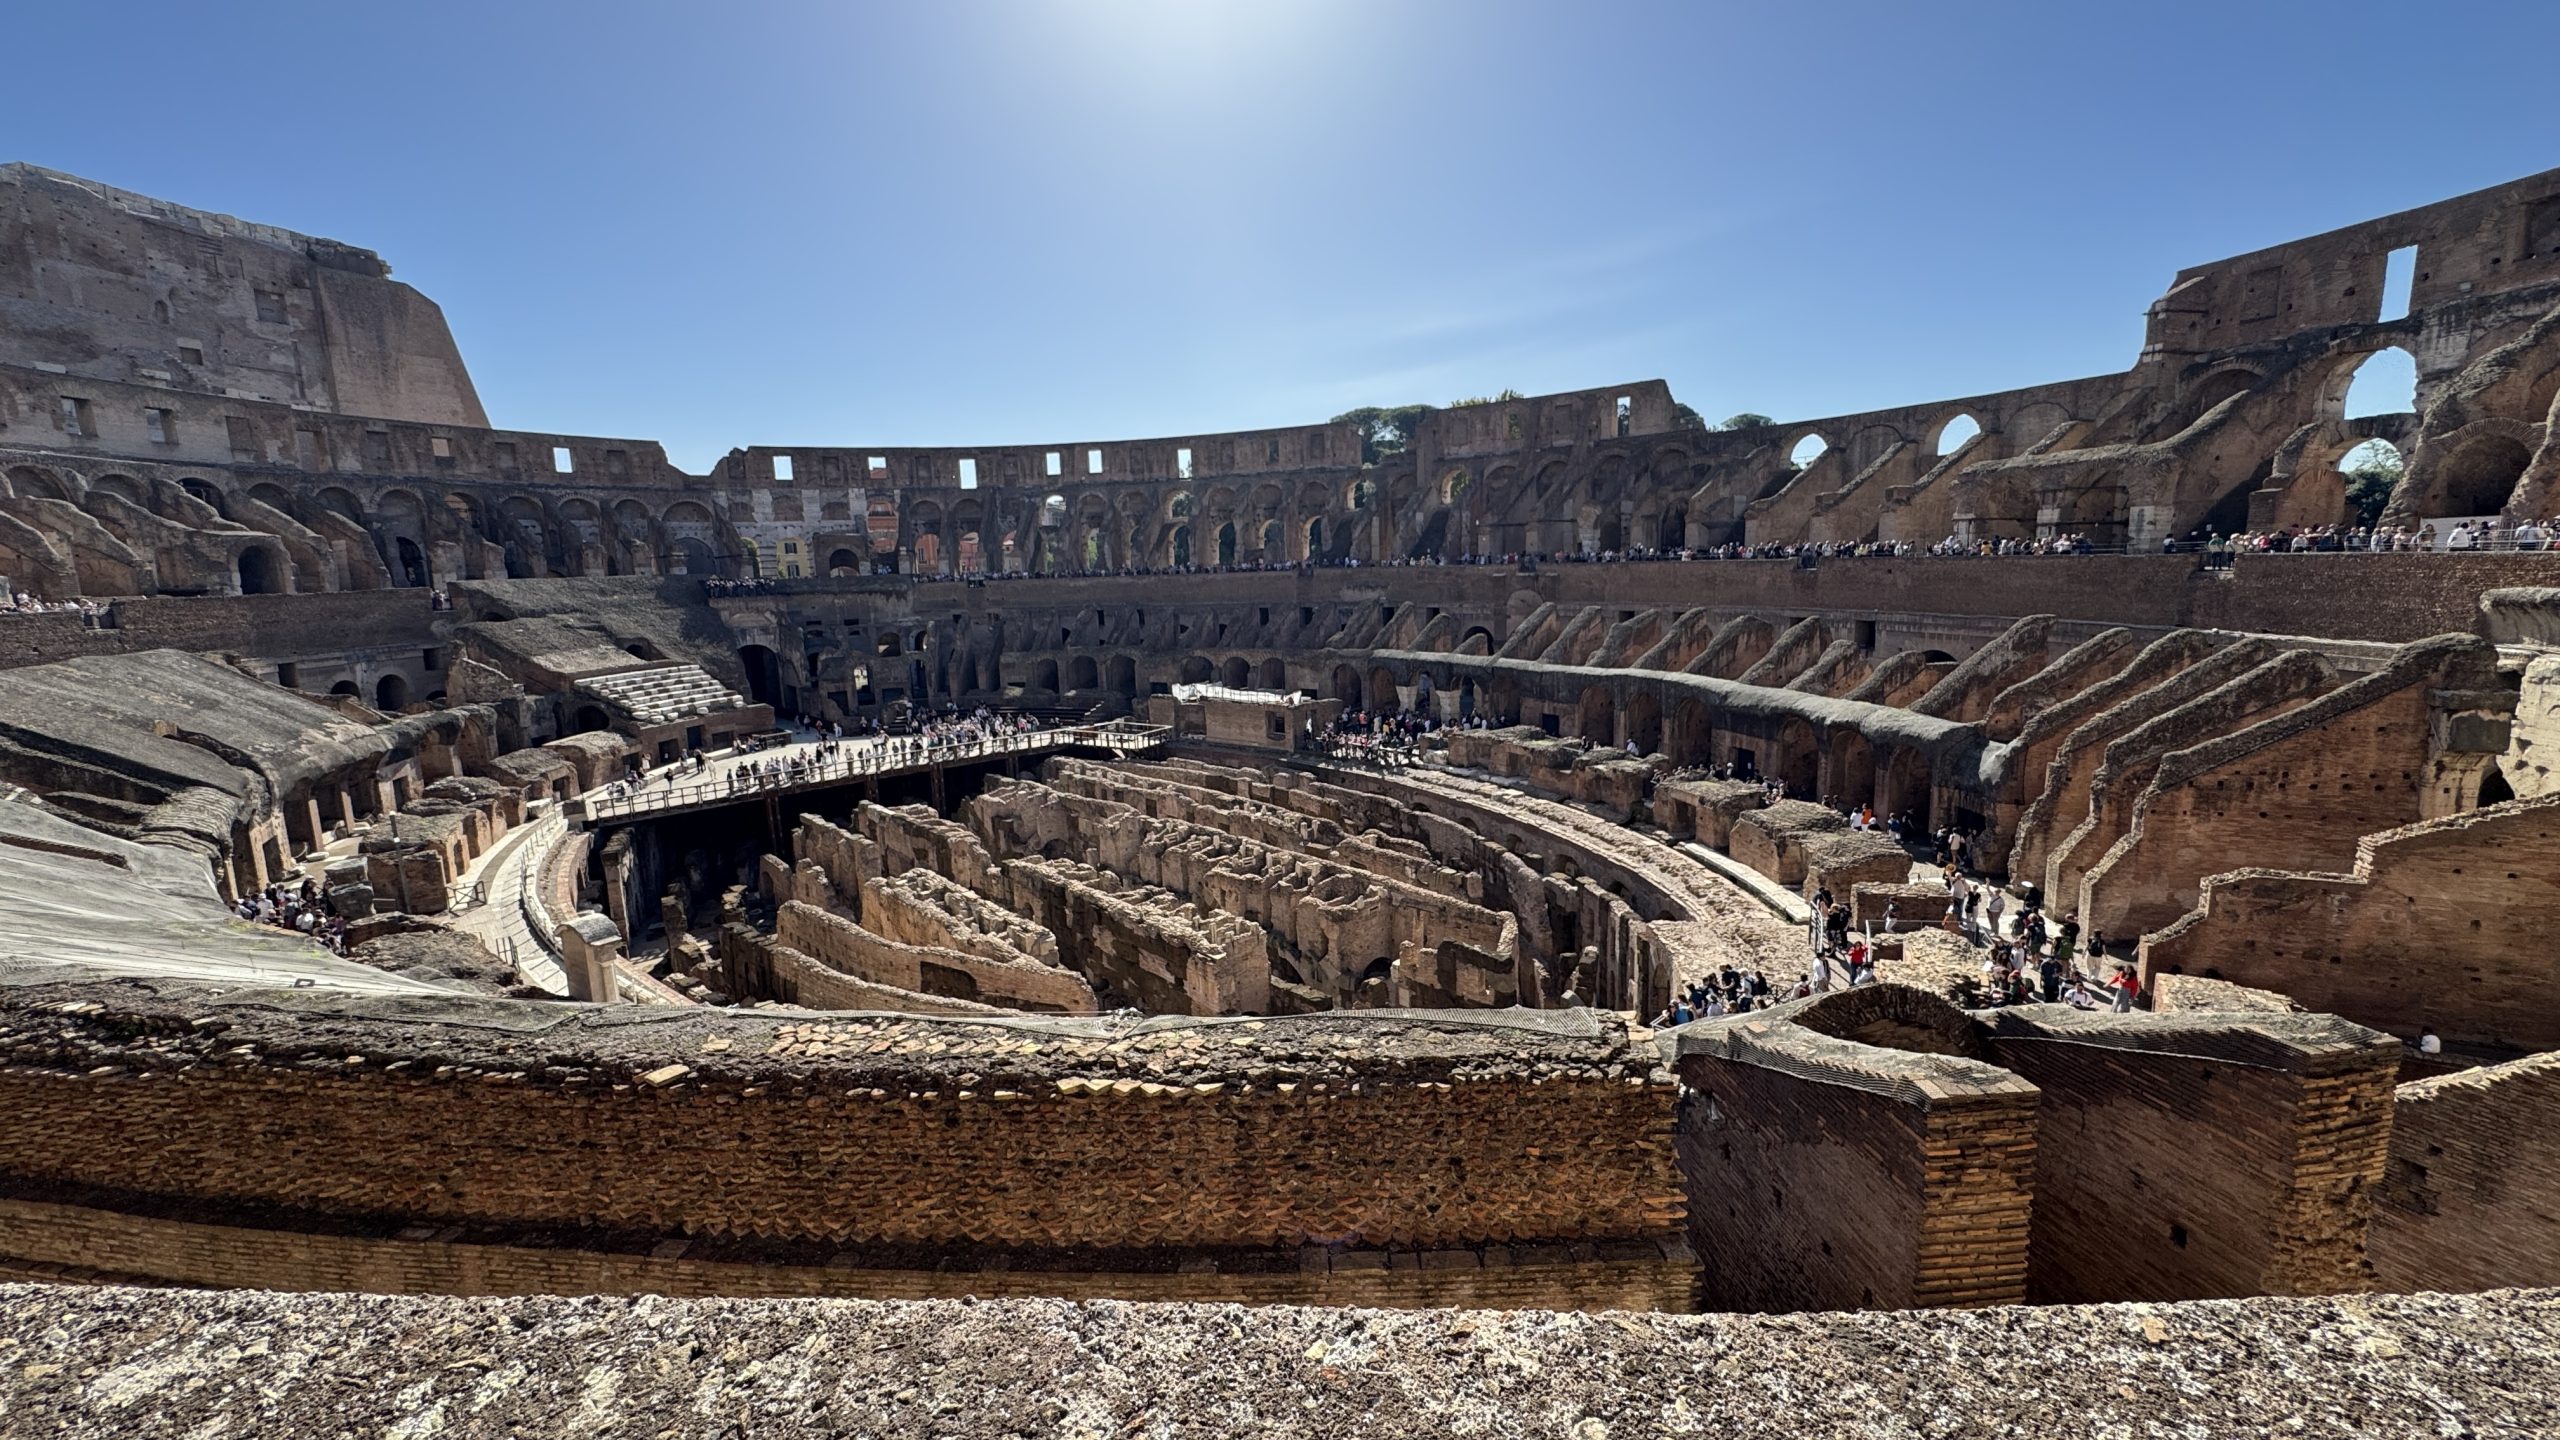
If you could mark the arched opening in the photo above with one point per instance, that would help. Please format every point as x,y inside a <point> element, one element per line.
<point>346,688</point>
<point>1906,788</point>
<point>1236,674</point>
<point>1955,434</point>
<point>764,674</point>
<point>2481,475</point>
<point>2372,470</point>
<point>390,694</point>
<point>1196,671</point>
<point>1644,722</point>
<point>1179,550</point>
<point>412,562</point>
<point>1853,768</point>
<point>203,490</point>
<point>2494,787</point>
<point>2383,383</point>
<point>1083,674</point>
<point>590,717</point>
<point>1597,717</point>
<point>1044,675</point>
<point>1272,543</point>
<point>260,574</point>
<point>1382,691</point>
<point>1121,675</point>
<point>1344,685</point>
<point>841,562</point>
<point>1227,544</point>
<point>1315,538</point>
<point>2215,389</point>
<point>1692,734</point>
<point>1807,450</point>
<point>1274,674</point>
<point>1799,765</point>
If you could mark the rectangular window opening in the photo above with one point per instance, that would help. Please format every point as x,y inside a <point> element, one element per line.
<point>190,354</point>
<point>157,422</point>
<point>878,465</point>
<point>1626,413</point>
<point>1057,463</point>
<point>561,463</point>
<point>2399,271</point>
<point>1182,462</point>
<point>968,473</point>
<point>781,467</point>
<point>1093,462</point>
<point>440,449</point>
<point>75,417</point>
<point>271,307</point>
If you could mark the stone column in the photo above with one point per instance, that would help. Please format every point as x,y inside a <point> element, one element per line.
<point>589,944</point>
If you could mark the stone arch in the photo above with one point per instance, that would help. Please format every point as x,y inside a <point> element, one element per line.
<point>1954,433</point>
<point>262,571</point>
<point>1798,761</point>
<point>2480,475</point>
<point>1083,673</point>
<point>764,673</point>
<point>2221,385</point>
<point>1693,734</point>
<point>1344,685</point>
<point>391,693</point>
<point>1906,787</point>
<point>1121,675</point>
<point>1237,673</point>
<point>2376,382</point>
<point>842,561</point>
<point>1382,691</point>
<point>1274,674</point>
<point>1596,716</point>
<point>1196,670</point>
<point>1853,767</point>
<point>1644,721</point>
<point>1044,675</point>
<point>30,482</point>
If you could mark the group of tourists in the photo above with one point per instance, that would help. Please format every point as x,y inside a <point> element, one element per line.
<point>1726,992</point>
<point>299,910</point>
<point>2489,534</point>
<point>23,603</point>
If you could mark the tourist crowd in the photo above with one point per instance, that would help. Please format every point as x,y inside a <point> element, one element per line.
<point>296,909</point>
<point>2488,534</point>
<point>22,603</point>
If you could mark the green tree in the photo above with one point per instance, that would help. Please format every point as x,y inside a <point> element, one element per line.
<point>1384,429</point>
<point>2373,471</point>
<point>1747,420</point>
<point>1686,418</point>
<point>1486,399</point>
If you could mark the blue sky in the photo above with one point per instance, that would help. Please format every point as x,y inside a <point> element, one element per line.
<point>1056,220</point>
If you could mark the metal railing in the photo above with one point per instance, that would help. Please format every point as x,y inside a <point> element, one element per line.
<point>872,758</point>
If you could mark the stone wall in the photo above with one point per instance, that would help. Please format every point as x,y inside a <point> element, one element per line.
<point>2181,1157</point>
<point>2445,924</point>
<point>1101,1138</point>
<point>840,943</point>
<point>1827,1175</point>
<point>2473,1197</point>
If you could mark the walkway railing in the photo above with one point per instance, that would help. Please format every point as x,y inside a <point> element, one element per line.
<point>864,759</point>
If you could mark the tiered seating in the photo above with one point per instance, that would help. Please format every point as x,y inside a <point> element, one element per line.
<point>666,694</point>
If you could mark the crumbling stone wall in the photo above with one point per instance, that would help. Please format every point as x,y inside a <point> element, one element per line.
<point>2442,925</point>
<point>2474,1181</point>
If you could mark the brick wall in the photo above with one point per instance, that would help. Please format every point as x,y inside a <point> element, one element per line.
<point>1812,1191</point>
<point>2473,1197</point>
<point>2446,924</point>
<point>87,1242</point>
<point>859,1131</point>
<point>2180,1162</point>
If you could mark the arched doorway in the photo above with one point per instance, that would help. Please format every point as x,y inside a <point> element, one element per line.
<point>1344,685</point>
<point>764,674</point>
<point>1236,674</point>
<point>1799,765</point>
<point>1083,674</point>
<point>390,693</point>
<point>1121,676</point>
<point>1644,721</point>
<point>1274,674</point>
<point>2481,475</point>
<point>259,573</point>
<point>1597,721</point>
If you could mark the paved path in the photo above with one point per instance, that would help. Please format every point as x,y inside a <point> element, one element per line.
<point>504,876</point>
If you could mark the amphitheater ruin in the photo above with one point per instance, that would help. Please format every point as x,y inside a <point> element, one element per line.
<point>494,910</point>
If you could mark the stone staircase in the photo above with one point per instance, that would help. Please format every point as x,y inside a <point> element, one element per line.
<point>664,695</point>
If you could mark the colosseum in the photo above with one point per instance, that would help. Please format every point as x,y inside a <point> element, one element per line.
<point>1542,916</point>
